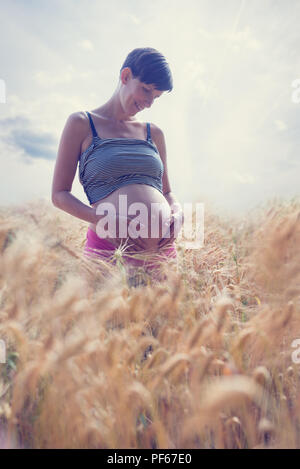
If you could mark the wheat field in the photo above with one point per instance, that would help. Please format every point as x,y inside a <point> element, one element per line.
<point>200,359</point>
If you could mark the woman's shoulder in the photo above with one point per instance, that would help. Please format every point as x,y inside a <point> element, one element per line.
<point>78,118</point>
<point>156,133</point>
<point>78,122</point>
<point>78,115</point>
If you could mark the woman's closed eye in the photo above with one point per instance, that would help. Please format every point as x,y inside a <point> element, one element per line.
<point>149,91</point>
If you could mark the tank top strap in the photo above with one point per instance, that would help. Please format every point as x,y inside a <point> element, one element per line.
<point>149,139</point>
<point>92,125</point>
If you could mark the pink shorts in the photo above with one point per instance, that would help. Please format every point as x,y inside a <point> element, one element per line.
<point>104,249</point>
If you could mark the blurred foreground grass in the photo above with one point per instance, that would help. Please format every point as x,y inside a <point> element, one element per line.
<point>200,360</point>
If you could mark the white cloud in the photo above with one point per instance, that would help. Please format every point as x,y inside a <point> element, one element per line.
<point>245,38</point>
<point>134,19</point>
<point>280,125</point>
<point>243,178</point>
<point>86,44</point>
<point>51,79</point>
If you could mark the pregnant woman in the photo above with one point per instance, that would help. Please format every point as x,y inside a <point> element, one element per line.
<point>123,169</point>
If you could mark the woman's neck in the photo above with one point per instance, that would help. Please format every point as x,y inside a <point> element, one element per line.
<point>112,110</point>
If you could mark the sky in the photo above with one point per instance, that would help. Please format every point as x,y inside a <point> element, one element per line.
<point>231,122</point>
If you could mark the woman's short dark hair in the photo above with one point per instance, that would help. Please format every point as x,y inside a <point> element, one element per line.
<point>151,67</point>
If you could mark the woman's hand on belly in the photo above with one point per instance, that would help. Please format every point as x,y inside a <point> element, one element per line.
<point>176,222</point>
<point>164,234</point>
<point>127,237</point>
<point>124,234</point>
<point>157,222</point>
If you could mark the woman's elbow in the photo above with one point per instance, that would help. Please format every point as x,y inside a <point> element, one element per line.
<point>55,198</point>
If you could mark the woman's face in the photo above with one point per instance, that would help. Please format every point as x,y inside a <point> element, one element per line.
<point>138,94</point>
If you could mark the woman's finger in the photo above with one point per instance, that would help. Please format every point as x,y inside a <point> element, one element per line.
<point>165,243</point>
<point>169,236</point>
<point>138,244</point>
<point>165,247</point>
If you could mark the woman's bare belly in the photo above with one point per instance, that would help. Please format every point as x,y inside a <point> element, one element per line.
<point>151,217</point>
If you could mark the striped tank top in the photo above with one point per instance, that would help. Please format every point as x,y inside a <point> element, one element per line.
<point>110,163</point>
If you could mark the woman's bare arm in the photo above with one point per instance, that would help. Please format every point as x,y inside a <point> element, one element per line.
<point>159,140</point>
<point>75,130</point>
<point>176,209</point>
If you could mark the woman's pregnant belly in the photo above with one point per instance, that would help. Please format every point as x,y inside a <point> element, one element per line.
<point>143,202</point>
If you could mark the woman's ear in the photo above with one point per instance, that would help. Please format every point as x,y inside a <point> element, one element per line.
<point>125,75</point>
